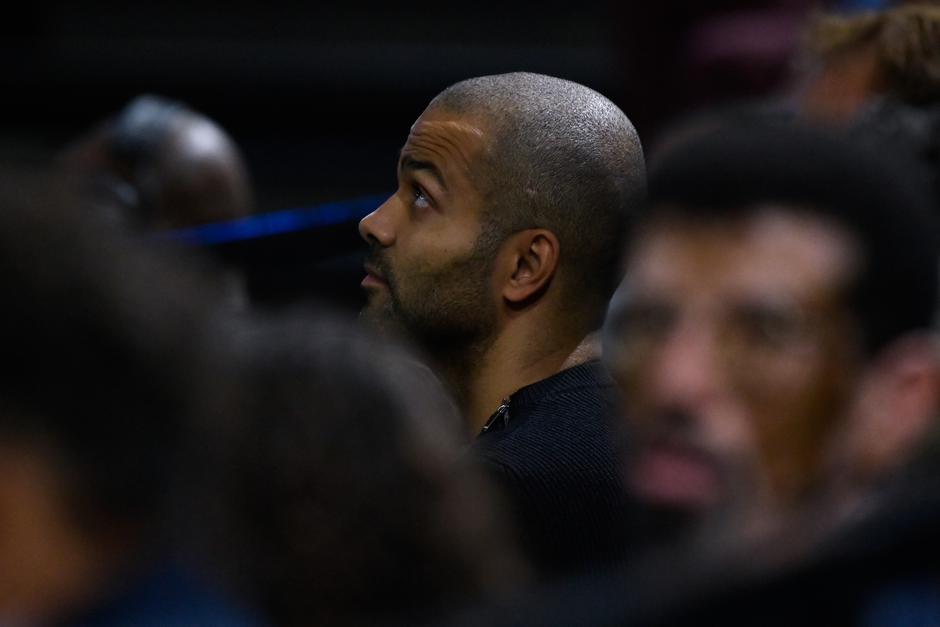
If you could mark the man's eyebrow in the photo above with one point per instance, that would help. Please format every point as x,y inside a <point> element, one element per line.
<point>407,162</point>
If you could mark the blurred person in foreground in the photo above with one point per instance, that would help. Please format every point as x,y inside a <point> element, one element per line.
<point>773,337</point>
<point>496,257</point>
<point>159,165</point>
<point>334,487</point>
<point>104,345</point>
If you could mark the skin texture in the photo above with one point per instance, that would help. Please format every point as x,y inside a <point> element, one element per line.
<point>736,359</point>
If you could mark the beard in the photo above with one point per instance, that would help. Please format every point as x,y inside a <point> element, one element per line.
<point>446,310</point>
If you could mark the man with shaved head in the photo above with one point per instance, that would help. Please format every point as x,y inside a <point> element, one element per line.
<point>497,256</point>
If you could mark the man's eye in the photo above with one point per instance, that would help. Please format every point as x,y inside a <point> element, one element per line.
<point>759,327</point>
<point>646,322</point>
<point>421,199</point>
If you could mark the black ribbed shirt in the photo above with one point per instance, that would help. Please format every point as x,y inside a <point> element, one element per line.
<point>553,451</point>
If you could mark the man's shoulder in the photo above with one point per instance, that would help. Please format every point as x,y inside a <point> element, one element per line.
<point>581,399</point>
<point>567,422</point>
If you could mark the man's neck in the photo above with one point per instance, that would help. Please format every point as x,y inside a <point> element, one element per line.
<point>505,367</point>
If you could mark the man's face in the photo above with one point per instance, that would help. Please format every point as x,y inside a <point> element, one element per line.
<point>429,269</point>
<point>735,356</point>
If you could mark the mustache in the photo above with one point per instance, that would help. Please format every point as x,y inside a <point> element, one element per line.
<point>378,262</point>
<point>672,427</point>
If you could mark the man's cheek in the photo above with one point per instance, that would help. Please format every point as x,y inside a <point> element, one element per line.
<point>641,393</point>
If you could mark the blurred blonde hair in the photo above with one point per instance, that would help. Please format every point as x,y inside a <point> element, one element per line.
<point>905,41</point>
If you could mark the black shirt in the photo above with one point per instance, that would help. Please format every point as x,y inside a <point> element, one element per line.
<point>552,448</point>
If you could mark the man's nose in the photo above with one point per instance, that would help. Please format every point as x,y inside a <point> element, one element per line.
<point>687,372</point>
<point>379,227</point>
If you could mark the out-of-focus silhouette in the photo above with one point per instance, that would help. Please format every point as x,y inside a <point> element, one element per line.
<point>774,343</point>
<point>104,341</point>
<point>767,350</point>
<point>159,165</point>
<point>330,481</point>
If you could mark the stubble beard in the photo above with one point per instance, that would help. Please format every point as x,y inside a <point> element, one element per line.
<point>445,311</point>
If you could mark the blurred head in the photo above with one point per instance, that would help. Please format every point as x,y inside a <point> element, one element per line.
<point>772,333</point>
<point>159,165</point>
<point>101,340</point>
<point>857,57</point>
<point>510,187</point>
<point>340,499</point>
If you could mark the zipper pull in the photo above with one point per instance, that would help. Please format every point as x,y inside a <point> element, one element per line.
<point>502,412</point>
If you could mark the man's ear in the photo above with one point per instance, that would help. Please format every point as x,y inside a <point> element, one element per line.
<point>531,263</point>
<point>898,405</point>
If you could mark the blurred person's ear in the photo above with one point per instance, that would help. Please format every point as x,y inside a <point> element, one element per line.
<point>895,408</point>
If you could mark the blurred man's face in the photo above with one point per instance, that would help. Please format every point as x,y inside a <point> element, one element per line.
<point>428,273</point>
<point>735,355</point>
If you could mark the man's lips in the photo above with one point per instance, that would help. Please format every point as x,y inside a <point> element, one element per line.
<point>373,278</point>
<point>676,476</point>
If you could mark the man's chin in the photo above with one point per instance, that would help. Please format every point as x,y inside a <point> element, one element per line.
<point>377,316</point>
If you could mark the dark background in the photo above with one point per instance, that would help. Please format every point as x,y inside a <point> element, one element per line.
<point>320,95</point>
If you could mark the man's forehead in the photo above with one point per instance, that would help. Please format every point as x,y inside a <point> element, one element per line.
<point>439,124</point>
<point>446,142</point>
<point>770,247</point>
<point>451,126</point>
